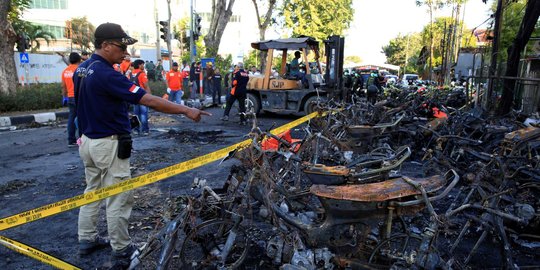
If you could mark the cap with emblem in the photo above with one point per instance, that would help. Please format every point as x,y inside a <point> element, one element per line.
<point>112,31</point>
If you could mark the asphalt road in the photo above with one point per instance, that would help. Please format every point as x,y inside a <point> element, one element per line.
<point>37,168</point>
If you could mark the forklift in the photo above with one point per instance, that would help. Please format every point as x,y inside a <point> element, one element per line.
<point>284,94</point>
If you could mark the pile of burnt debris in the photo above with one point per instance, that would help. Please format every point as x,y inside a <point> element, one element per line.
<point>406,183</point>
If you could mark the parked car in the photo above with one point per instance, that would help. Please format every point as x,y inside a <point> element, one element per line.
<point>409,80</point>
<point>391,79</point>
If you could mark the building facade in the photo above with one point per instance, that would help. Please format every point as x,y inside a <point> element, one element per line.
<point>138,18</point>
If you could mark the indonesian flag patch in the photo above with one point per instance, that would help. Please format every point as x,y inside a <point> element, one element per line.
<point>134,89</point>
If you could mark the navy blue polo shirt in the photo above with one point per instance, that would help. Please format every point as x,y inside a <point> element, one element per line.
<point>103,99</point>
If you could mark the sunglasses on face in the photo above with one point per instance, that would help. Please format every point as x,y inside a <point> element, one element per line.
<point>122,47</point>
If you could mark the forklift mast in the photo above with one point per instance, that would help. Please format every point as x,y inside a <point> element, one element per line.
<point>333,75</point>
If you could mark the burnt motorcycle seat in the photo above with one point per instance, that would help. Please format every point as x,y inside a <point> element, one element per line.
<point>378,192</point>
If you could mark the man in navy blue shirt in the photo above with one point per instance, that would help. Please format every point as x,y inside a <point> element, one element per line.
<point>102,98</point>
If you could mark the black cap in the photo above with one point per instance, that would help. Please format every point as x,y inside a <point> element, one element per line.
<point>174,64</point>
<point>112,31</point>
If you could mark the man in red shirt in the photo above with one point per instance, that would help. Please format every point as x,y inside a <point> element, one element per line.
<point>69,95</point>
<point>138,77</point>
<point>174,83</point>
<point>124,66</point>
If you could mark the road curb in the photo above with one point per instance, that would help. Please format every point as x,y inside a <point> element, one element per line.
<point>7,121</point>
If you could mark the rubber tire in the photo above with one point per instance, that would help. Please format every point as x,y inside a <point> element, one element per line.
<point>256,104</point>
<point>308,106</point>
<point>193,234</point>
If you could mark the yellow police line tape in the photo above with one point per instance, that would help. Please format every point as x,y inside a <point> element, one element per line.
<point>100,194</point>
<point>35,253</point>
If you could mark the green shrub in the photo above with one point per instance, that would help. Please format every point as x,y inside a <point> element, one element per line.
<point>48,96</point>
<point>158,87</point>
<point>32,97</point>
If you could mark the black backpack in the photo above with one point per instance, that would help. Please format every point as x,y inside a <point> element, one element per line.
<point>135,78</point>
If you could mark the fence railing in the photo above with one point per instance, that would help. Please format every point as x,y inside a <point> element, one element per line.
<point>526,91</point>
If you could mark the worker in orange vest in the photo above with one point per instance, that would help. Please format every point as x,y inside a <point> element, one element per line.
<point>68,94</point>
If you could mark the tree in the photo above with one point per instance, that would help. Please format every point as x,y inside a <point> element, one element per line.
<point>199,48</point>
<point>317,18</point>
<point>434,35</point>
<point>179,30</point>
<point>221,13</point>
<point>36,33</point>
<point>528,24</point>
<point>432,5</point>
<point>251,59</point>
<point>81,33</point>
<point>10,13</point>
<point>396,50</point>
<point>223,64</point>
<point>353,58</point>
<point>263,22</point>
<point>404,51</point>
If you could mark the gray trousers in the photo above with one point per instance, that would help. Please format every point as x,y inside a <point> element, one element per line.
<point>103,168</point>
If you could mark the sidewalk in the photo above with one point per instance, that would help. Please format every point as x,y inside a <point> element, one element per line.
<point>19,118</point>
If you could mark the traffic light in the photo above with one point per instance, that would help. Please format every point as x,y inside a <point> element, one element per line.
<point>164,30</point>
<point>23,43</point>
<point>27,43</point>
<point>196,26</point>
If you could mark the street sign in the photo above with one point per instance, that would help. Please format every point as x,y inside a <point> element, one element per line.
<point>24,58</point>
<point>204,61</point>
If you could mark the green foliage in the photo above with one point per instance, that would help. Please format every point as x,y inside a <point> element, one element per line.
<point>513,13</point>
<point>251,59</point>
<point>317,18</point>
<point>49,96</point>
<point>32,97</point>
<point>223,64</point>
<point>201,50</point>
<point>15,13</point>
<point>179,33</point>
<point>36,33</point>
<point>184,58</point>
<point>440,26</point>
<point>353,58</point>
<point>397,50</point>
<point>276,61</point>
<point>82,33</point>
<point>17,8</point>
<point>433,4</point>
<point>401,47</point>
<point>159,88</point>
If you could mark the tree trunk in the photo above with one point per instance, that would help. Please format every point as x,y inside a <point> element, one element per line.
<point>430,42</point>
<point>263,25</point>
<point>221,13</point>
<point>532,13</point>
<point>8,37</point>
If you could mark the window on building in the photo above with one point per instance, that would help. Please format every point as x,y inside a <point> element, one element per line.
<point>235,18</point>
<point>49,4</point>
<point>144,38</point>
<point>206,16</point>
<point>57,31</point>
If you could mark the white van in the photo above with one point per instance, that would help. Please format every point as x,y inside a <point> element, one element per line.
<point>409,79</point>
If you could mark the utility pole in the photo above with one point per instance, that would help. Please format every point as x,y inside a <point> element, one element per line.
<point>169,35</point>
<point>158,45</point>
<point>406,54</point>
<point>494,54</point>
<point>192,46</point>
